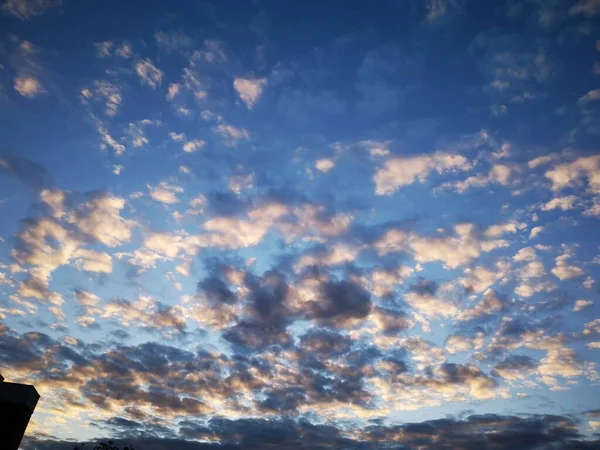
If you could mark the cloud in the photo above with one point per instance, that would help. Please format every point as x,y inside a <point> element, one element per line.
<point>99,218</point>
<point>89,306</point>
<point>572,174</point>
<point>108,92</point>
<point>238,183</point>
<point>145,312</point>
<point>580,305</point>
<point>499,174</point>
<point>29,172</point>
<point>193,145</point>
<point>458,343</point>
<point>593,95</point>
<point>108,140</point>
<point>178,137</point>
<point>399,172</point>
<point>563,203</point>
<point>212,51</point>
<point>28,86</point>
<point>473,432</point>
<point>149,74</point>
<point>565,271</point>
<point>173,91</point>
<point>232,135</point>
<point>535,231</point>
<point>26,9</point>
<point>452,250</point>
<point>425,298</point>
<point>324,165</point>
<point>516,367</point>
<point>249,90</point>
<point>165,193</point>
<point>587,8</point>
<point>437,8</point>
<point>341,303</point>
<point>92,261</point>
<point>172,41</point>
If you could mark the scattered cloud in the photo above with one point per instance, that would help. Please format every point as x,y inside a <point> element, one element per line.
<point>193,145</point>
<point>232,135</point>
<point>149,74</point>
<point>399,172</point>
<point>165,193</point>
<point>249,89</point>
<point>28,86</point>
<point>26,9</point>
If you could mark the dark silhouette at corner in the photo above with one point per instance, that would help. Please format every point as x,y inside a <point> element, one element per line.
<point>17,403</point>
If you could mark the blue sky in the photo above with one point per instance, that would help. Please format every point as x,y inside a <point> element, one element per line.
<point>228,222</point>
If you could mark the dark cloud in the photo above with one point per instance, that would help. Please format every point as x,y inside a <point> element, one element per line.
<point>257,336</point>
<point>225,204</point>
<point>515,365</point>
<point>424,287</point>
<point>483,432</point>
<point>216,290</point>
<point>324,342</point>
<point>29,172</point>
<point>341,302</point>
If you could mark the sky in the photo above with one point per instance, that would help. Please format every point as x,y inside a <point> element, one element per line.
<point>302,224</point>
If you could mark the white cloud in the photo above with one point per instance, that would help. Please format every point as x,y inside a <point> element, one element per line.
<point>28,86</point>
<point>571,174</point>
<point>452,250</point>
<point>108,140</point>
<point>177,137</point>
<point>580,305</point>
<point>590,96</point>
<point>499,230</point>
<point>165,193</point>
<point>541,161</point>
<point>193,145</point>
<point>563,203</point>
<point>109,92</point>
<point>324,164</point>
<point>100,218</point>
<point>173,91</point>
<point>92,261</point>
<point>459,343</point>
<point>149,74</point>
<point>232,135</point>
<point>249,90</point>
<point>338,254</point>
<point>535,231</point>
<point>430,305</point>
<point>399,172</point>
<point>478,279</point>
<point>594,209</point>
<point>563,270</point>
<point>499,174</point>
